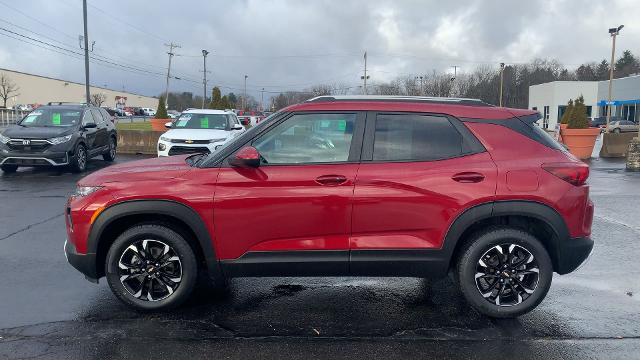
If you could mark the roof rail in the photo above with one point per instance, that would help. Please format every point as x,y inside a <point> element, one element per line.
<point>394,98</point>
<point>66,103</point>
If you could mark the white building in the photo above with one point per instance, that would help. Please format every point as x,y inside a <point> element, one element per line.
<point>550,99</point>
<point>36,89</point>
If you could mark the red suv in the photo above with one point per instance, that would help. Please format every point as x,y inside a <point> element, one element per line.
<point>345,186</point>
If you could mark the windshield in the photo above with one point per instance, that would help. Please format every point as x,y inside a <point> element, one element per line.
<point>201,121</point>
<point>52,117</point>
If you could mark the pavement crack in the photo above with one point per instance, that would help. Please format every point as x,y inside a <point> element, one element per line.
<point>618,222</point>
<point>30,226</point>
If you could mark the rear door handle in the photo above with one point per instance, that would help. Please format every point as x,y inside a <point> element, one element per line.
<point>331,179</point>
<point>468,177</point>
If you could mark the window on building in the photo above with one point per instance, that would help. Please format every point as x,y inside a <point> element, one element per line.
<point>545,117</point>
<point>561,110</point>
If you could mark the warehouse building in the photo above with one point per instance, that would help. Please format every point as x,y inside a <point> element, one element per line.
<point>36,89</point>
<point>550,99</point>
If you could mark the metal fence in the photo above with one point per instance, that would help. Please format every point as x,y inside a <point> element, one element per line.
<point>9,116</point>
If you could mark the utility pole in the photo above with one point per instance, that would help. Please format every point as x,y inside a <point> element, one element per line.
<point>86,53</point>
<point>455,75</point>
<point>613,32</point>
<point>421,86</point>
<point>501,81</point>
<point>166,89</point>
<point>244,97</point>
<point>262,100</point>
<point>365,76</point>
<point>204,81</point>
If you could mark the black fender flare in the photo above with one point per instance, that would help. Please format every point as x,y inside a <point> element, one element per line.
<point>526,208</point>
<point>170,208</point>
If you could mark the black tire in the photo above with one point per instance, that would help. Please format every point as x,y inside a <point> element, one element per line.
<point>483,246</point>
<point>616,130</point>
<point>9,168</point>
<point>110,155</point>
<point>184,269</point>
<point>79,159</point>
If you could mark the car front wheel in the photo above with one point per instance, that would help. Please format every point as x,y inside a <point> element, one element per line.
<point>151,267</point>
<point>9,168</point>
<point>79,159</point>
<point>504,272</point>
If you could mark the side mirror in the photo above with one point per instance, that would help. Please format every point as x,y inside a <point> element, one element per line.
<point>237,127</point>
<point>168,125</point>
<point>247,157</point>
<point>90,126</point>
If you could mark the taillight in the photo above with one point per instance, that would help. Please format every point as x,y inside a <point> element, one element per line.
<point>573,173</point>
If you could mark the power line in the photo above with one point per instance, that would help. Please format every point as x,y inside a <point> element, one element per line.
<point>128,24</point>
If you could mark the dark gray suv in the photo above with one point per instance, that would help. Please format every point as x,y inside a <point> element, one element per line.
<point>58,135</point>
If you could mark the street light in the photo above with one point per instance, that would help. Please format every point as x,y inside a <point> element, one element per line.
<point>204,81</point>
<point>501,81</point>
<point>613,32</point>
<point>244,97</point>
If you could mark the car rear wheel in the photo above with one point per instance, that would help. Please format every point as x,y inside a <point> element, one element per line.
<point>110,155</point>
<point>151,267</point>
<point>616,130</point>
<point>9,168</point>
<point>79,159</point>
<point>504,272</point>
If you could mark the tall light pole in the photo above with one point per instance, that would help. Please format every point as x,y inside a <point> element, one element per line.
<point>421,86</point>
<point>204,81</point>
<point>166,89</point>
<point>86,53</point>
<point>365,76</point>
<point>613,32</point>
<point>244,97</point>
<point>501,81</point>
<point>262,100</point>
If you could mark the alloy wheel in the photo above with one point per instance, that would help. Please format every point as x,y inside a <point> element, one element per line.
<point>150,270</point>
<point>507,274</point>
<point>82,158</point>
<point>112,149</point>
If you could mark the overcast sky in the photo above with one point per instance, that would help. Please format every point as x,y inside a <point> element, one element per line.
<point>290,45</point>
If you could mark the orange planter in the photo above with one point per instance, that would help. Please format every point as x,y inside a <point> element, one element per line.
<point>158,124</point>
<point>580,141</point>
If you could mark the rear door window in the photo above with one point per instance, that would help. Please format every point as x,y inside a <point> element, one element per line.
<point>415,137</point>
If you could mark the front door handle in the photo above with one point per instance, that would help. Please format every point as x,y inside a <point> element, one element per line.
<point>468,177</point>
<point>331,179</point>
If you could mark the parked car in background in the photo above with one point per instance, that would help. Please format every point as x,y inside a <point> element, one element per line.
<point>344,186</point>
<point>600,122</point>
<point>174,114</point>
<point>58,135</point>
<point>622,126</point>
<point>199,131</point>
<point>148,111</point>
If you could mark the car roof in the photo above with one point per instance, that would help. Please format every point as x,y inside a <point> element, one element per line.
<point>458,107</point>
<point>206,111</point>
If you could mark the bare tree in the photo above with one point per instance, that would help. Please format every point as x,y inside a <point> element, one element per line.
<point>7,88</point>
<point>98,99</point>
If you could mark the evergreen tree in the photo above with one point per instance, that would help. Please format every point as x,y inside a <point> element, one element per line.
<point>216,99</point>
<point>602,71</point>
<point>578,118</point>
<point>161,112</point>
<point>567,113</point>
<point>626,65</point>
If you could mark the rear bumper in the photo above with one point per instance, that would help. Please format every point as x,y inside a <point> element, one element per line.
<point>572,253</point>
<point>85,263</point>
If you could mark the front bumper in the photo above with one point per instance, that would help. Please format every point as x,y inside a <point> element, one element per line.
<point>572,253</point>
<point>46,158</point>
<point>85,263</point>
<point>165,148</point>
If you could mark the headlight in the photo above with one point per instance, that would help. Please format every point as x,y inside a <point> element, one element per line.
<point>60,140</point>
<point>85,190</point>
<point>165,139</point>
<point>4,139</point>
<point>217,140</point>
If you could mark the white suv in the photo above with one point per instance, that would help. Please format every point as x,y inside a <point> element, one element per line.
<point>199,131</point>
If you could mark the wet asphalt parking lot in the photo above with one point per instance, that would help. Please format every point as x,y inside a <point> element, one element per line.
<point>49,311</point>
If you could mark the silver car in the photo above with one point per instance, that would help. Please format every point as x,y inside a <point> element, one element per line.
<point>622,126</point>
